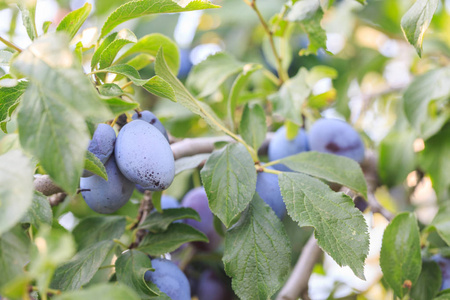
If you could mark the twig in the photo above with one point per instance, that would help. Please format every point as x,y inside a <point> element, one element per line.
<point>145,208</point>
<point>46,186</point>
<point>10,45</point>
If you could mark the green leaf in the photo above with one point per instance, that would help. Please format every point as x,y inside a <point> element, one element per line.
<point>435,160</point>
<point>159,222</point>
<point>10,99</point>
<point>428,283</point>
<point>253,126</point>
<point>416,21</point>
<point>101,291</point>
<point>257,252</point>
<point>124,37</point>
<point>441,223</point>
<point>396,156</point>
<point>229,177</point>
<point>190,162</point>
<point>110,90</point>
<point>94,165</point>
<point>81,268</point>
<point>106,42</point>
<point>16,188</point>
<point>156,199</point>
<point>206,77</point>
<point>184,97</point>
<point>73,21</point>
<point>400,258</point>
<point>119,106</point>
<point>140,61</point>
<point>28,10</point>
<point>5,58</point>
<point>176,235</point>
<point>302,10</point>
<point>130,268</point>
<point>39,212</point>
<point>14,255</point>
<point>238,86</point>
<point>96,229</point>
<point>333,168</point>
<point>46,26</point>
<point>139,8</point>
<point>150,44</point>
<point>58,137</point>
<point>340,228</point>
<point>426,91</point>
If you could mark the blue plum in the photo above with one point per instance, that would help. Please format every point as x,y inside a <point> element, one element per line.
<point>444,265</point>
<point>280,147</point>
<point>268,189</point>
<point>149,117</point>
<point>210,287</point>
<point>336,137</point>
<point>169,202</point>
<point>144,156</point>
<point>197,200</point>
<point>103,196</point>
<point>169,279</point>
<point>102,144</point>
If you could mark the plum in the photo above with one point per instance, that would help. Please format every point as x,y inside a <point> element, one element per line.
<point>210,287</point>
<point>144,156</point>
<point>336,137</point>
<point>268,189</point>
<point>280,147</point>
<point>103,196</point>
<point>102,144</point>
<point>169,202</point>
<point>444,265</point>
<point>197,200</point>
<point>169,279</point>
<point>149,117</point>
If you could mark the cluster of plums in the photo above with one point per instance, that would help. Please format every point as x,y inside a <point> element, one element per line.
<point>140,154</point>
<point>325,135</point>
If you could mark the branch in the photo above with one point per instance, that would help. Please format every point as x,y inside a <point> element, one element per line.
<point>46,186</point>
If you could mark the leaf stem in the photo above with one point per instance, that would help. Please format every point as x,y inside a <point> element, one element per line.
<point>107,267</point>
<point>120,243</point>
<point>274,162</point>
<point>266,170</point>
<point>126,85</point>
<point>10,45</point>
<point>282,74</point>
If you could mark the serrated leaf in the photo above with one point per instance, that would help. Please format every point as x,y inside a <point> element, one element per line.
<point>229,178</point>
<point>206,77</point>
<point>418,98</point>
<point>139,8</point>
<point>39,212</point>
<point>96,229</point>
<point>190,162</point>
<point>14,255</point>
<point>159,222</point>
<point>5,58</point>
<point>81,268</point>
<point>101,291</point>
<point>435,160</point>
<point>106,42</point>
<point>94,165</point>
<point>150,45</point>
<point>400,257</point>
<point>16,188</point>
<point>10,99</point>
<point>28,10</point>
<point>73,21</point>
<point>110,90</point>
<point>340,228</point>
<point>416,21</point>
<point>257,252</point>
<point>124,37</point>
<point>130,269</point>
<point>253,127</point>
<point>316,34</point>
<point>119,106</point>
<point>184,97</point>
<point>176,235</point>
<point>428,283</point>
<point>333,168</point>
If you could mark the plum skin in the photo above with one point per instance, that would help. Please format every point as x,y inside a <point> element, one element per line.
<point>280,147</point>
<point>268,189</point>
<point>210,287</point>
<point>144,156</point>
<point>444,265</point>
<point>103,196</point>
<point>169,279</point>
<point>336,137</point>
<point>149,117</point>
<point>102,144</point>
<point>198,200</point>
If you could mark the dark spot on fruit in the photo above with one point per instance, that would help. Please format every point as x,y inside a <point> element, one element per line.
<point>152,121</point>
<point>333,147</point>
